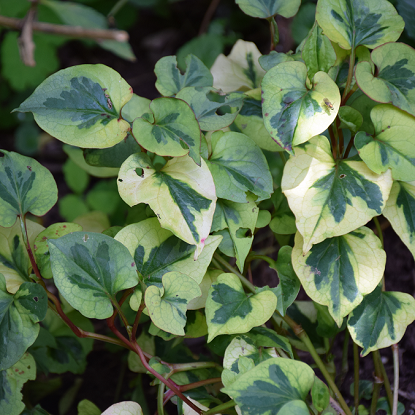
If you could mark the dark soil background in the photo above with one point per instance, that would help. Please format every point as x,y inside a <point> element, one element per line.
<point>107,379</point>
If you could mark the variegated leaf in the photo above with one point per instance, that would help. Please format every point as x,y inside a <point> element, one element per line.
<point>268,8</point>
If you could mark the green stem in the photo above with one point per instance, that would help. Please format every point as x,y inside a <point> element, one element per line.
<point>117,7</point>
<point>283,157</point>
<point>160,397</point>
<point>356,377</point>
<point>194,385</point>
<point>395,351</point>
<point>375,398</point>
<point>379,229</point>
<point>378,381</point>
<point>386,384</point>
<point>220,408</point>
<point>184,367</point>
<point>265,258</point>
<point>349,75</point>
<point>275,36</point>
<point>345,358</point>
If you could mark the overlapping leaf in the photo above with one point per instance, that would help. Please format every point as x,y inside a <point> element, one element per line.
<point>25,186</point>
<point>381,319</point>
<point>89,269</point>
<point>339,271</point>
<point>239,219</point>
<point>157,251</point>
<point>265,389</point>
<point>171,130</point>
<point>170,81</point>
<point>182,195</point>
<point>283,220</point>
<point>124,408</point>
<point>331,198</point>
<point>167,306</point>
<point>19,316</point>
<point>392,145</point>
<point>395,76</point>
<point>269,8</point>
<point>351,23</point>
<point>229,310</point>
<point>14,259</point>
<point>206,109</point>
<point>81,106</point>
<point>400,212</point>
<point>238,165</point>
<point>11,383</point>
<point>294,112</point>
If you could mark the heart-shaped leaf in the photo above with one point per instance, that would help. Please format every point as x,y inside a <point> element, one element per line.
<point>339,271</point>
<point>25,186</point>
<point>331,198</point>
<point>136,107</point>
<point>395,76</point>
<point>182,195</point>
<point>381,319</point>
<point>172,130</point>
<point>294,112</point>
<point>81,106</point>
<point>229,310</point>
<point>269,8</point>
<point>400,212</point>
<point>351,23</point>
<point>238,165</point>
<point>167,306</point>
<point>392,146</point>
<point>170,81</point>
<point>265,389</point>
<point>157,251</point>
<point>89,269</point>
<point>350,118</point>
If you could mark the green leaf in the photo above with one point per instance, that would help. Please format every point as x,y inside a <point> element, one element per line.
<point>72,206</point>
<point>86,407</point>
<point>339,271</point>
<point>265,389</point>
<point>264,218</point>
<point>395,76</point>
<point>293,113</point>
<point>173,132</point>
<point>320,395</point>
<point>350,118</point>
<point>170,81</point>
<point>81,106</point>
<point>167,307</point>
<point>240,219</point>
<point>303,22</point>
<point>76,178</point>
<point>289,285</point>
<point>156,251</point>
<point>19,315</point>
<point>400,212</point>
<point>392,146</point>
<point>274,58</point>
<point>351,23</point>
<point>238,165</point>
<point>381,319</point>
<point>283,220</point>
<point>364,105</point>
<point>181,194</point>
<point>136,107</point>
<point>11,383</point>
<point>229,310</point>
<point>124,408</point>
<point>239,70</point>
<point>89,269</point>
<point>407,10</point>
<point>318,52</point>
<point>268,8</point>
<point>206,109</point>
<point>25,186</point>
<point>14,259</point>
<point>41,248</point>
<point>331,198</point>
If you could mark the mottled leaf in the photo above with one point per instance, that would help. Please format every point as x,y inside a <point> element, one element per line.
<point>339,271</point>
<point>81,106</point>
<point>157,251</point>
<point>124,408</point>
<point>170,81</point>
<point>238,165</point>
<point>331,198</point>
<point>392,145</point>
<point>294,112</point>
<point>351,23</point>
<point>136,107</point>
<point>181,194</point>
<point>229,310</point>
<point>395,76</point>
<point>381,319</point>
<point>167,306</point>
<point>25,186</point>
<point>320,395</point>
<point>269,8</point>
<point>89,269</point>
<point>174,131</point>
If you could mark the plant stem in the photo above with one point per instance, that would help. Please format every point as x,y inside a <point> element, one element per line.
<point>117,7</point>
<point>283,157</point>
<point>349,75</point>
<point>341,138</point>
<point>184,367</point>
<point>333,142</point>
<point>220,408</point>
<point>194,385</point>
<point>345,360</point>
<point>160,398</point>
<point>395,351</point>
<point>378,381</point>
<point>386,384</point>
<point>137,320</point>
<point>356,377</point>
<point>349,147</point>
<point>379,229</point>
<point>208,16</point>
<point>270,261</point>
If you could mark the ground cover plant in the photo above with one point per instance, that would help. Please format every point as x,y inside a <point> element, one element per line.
<point>314,144</point>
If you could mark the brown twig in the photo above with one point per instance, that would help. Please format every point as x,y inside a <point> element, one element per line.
<point>65,30</point>
<point>208,16</point>
<point>25,40</point>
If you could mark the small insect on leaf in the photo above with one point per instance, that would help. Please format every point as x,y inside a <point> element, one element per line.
<point>328,104</point>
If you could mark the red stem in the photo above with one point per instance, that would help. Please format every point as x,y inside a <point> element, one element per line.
<point>136,321</point>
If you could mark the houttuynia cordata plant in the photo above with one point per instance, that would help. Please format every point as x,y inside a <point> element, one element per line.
<point>334,121</point>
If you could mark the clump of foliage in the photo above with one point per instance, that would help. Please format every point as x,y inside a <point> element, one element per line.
<point>322,138</point>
